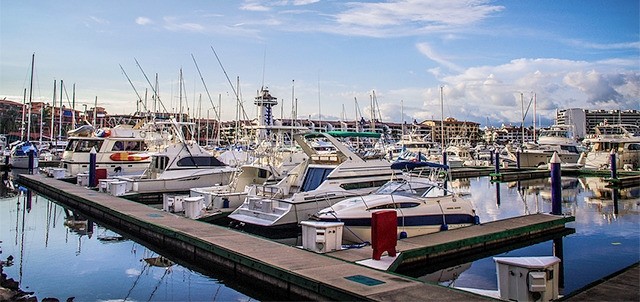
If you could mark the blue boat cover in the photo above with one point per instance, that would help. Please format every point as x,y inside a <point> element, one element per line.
<point>410,165</point>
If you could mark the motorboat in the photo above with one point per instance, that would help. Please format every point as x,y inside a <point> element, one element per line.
<point>180,166</point>
<point>19,155</point>
<point>622,139</point>
<point>320,181</point>
<point>423,206</point>
<point>121,150</point>
<point>558,139</point>
<point>230,196</point>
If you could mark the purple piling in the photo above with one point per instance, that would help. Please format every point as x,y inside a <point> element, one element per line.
<point>556,185</point>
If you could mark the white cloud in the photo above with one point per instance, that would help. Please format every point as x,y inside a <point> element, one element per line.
<point>255,6</point>
<point>495,91</point>
<point>172,24</point>
<point>404,17</point>
<point>426,50</point>
<point>99,20</point>
<point>143,21</point>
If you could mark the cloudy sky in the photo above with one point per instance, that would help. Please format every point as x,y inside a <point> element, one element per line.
<point>333,56</point>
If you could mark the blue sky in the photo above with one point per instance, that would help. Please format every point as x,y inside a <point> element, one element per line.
<point>488,55</point>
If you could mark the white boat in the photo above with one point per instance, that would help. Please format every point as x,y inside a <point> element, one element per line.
<point>179,167</point>
<point>231,196</point>
<point>121,150</point>
<point>623,139</point>
<point>559,139</point>
<point>19,155</point>
<point>3,142</point>
<point>318,182</point>
<point>422,204</point>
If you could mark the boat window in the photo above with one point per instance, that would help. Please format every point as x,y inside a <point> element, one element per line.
<point>572,149</point>
<point>400,205</point>
<point>71,145</point>
<point>86,145</point>
<point>315,176</point>
<point>132,146</point>
<point>363,184</point>
<point>634,147</point>
<point>118,146</point>
<point>434,192</point>
<point>160,162</point>
<point>199,161</point>
<point>263,173</point>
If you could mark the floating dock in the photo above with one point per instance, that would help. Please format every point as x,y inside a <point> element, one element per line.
<point>296,273</point>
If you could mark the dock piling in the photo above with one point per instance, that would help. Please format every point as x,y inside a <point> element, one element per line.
<point>92,168</point>
<point>612,165</point>
<point>497,158</point>
<point>30,165</point>
<point>556,185</point>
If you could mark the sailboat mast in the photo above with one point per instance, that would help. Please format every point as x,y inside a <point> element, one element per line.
<point>522,125</point>
<point>24,108</point>
<point>535,138</point>
<point>33,58</point>
<point>73,107</point>
<point>53,111</point>
<point>442,117</point>
<point>61,111</point>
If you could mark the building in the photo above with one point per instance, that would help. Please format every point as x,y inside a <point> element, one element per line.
<point>584,121</point>
<point>453,128</point>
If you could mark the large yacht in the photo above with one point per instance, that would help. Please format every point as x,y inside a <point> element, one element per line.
<point>623,139</point>
<point>557,139</point>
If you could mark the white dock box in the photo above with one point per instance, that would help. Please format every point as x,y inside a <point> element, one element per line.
<point>322,237</point>
<point>193,206</point>
<point>103,184</point>
<point>173,202</point>
<point>83,179</point>
<point>528,278</point>
<point>117,188</point>
<point>58,173</point>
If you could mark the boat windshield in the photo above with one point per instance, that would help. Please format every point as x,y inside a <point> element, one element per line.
<point>405,188</point>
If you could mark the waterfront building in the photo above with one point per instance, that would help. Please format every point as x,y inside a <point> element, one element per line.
<point>452,128</point>
<point>584,121</point>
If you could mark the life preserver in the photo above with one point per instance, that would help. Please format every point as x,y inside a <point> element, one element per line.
<point>143,134</point>
<point>128,156</point>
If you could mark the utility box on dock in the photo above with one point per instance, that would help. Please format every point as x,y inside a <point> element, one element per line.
<point>528,278</point>
<point>193,207</point>
<point>322,237</point>
<point>117,188</point>
<point>83,179</point>
<point>58,173</point>
<point>103,184</point>
<point>173,202</point>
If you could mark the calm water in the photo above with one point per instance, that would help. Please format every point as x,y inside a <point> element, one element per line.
<point>56,260</point>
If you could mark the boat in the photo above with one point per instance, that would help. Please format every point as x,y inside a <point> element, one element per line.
<point>230,196</point>
<point>3,142</point>
<point>180,166</point>
<point>19,155</point>
<point>423,206</point>
<point>121,150</point>
<point>320,181</point>
<point>558,139</point>
<point>623,139</point>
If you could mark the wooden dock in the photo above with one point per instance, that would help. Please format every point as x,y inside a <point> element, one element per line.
<point>621,286</point>
<point>296,273</point>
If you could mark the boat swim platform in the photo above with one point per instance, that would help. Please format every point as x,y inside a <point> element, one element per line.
<point>293,272</point>
<point>296,272</point>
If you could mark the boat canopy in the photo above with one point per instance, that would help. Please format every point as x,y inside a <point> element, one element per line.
<point>343,134</point>
<point>410,165</point>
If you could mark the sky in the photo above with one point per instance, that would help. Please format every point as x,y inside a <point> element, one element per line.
<point>475,60</point>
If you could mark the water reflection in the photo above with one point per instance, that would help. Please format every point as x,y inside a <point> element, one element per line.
<point>59,253</point>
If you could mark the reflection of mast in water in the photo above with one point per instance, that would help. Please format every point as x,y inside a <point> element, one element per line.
<point>46,234</point>
<point>497,193</point>
<point>24,218</point>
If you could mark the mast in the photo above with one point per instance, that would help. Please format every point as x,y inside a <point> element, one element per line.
<point>24,108</point>
<point>402,114</point>
<point>522,125</point>
<point>95,111</point>
<point>73,107</point>
<point>442,117</point>
<point>535,138</point>
<point>33,58</point>
<point>61,110</point>
<point>53,111</point>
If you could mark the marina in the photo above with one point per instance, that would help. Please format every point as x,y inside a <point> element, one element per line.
<point>362,252</point>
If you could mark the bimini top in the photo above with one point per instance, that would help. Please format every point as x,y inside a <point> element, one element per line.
<point>410,165</point>
<point>343,134</point>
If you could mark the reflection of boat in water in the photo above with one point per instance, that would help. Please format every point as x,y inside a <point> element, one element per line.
<point>159,261</point>
<point>609,200</point>
<point>448,275</point>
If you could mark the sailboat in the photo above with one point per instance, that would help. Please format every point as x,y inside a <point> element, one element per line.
<point>24,154</point>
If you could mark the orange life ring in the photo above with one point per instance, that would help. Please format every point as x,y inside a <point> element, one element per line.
<point>128,156</point>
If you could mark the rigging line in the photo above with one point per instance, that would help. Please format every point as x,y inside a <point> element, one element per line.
<point>236,92</point>
<point>166,272</point>
<point>146,265</point>
<point>134,87</point>
<point>155,92</point>
<point>205,87</point>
